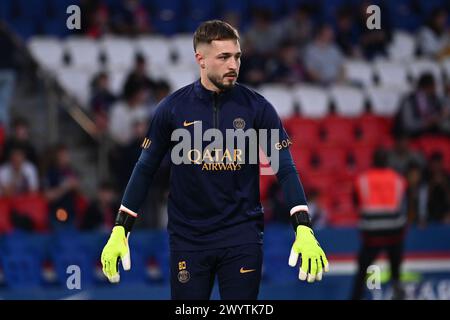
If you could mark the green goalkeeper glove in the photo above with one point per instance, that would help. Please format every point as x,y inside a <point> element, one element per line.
<point>314,262</point>
<point>116,249</point>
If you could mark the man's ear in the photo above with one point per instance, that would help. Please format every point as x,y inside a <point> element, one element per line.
<point>200,60</point>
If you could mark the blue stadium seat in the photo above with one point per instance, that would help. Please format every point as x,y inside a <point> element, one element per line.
<point>24,28</point>
<point>198,11</point>
<point>32,9</point>
<point>21,270</point>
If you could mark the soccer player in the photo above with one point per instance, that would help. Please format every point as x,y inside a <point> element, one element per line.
<point>215,217</point>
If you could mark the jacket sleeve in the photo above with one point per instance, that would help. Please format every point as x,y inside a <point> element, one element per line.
<point>154,147</point>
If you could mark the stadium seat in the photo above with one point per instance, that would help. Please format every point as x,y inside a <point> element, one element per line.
<point>183,49</point>
<point>31,9</point>
<point>198,11</point>
<point>402,46</point>
<point>302,158</point>
<point>313,101</point>
<point>117,81</point>
<point>76,82</point>
<point>281,99</point>
<point>384,101</point>
<point>331,158</point>
<point>47,51</point>
<point>341,210</point>
<point>35,207</point>
<point>180,76</point>
<point>119,52</point>
<point>392,74</point>
<point>348,101</point>
<point>359,72</point>
<point>431,144</point>
<point>5,216</point>
<point>155,49</point>
<point>371,129</point>
<point>84,53</point>
<point>338,131</point>
<point>302,131</point>
<point>21,270</point>
<point>361,158</point>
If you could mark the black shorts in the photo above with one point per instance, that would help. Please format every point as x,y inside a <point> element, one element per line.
<point>238,270</point>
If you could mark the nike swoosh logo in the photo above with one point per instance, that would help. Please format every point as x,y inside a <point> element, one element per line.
<point>246,270</point>
<point>187,124</point>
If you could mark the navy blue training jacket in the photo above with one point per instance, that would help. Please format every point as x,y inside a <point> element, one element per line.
<point>212,206</point>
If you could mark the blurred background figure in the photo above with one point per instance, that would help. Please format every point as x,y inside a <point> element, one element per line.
<point>61,187</point>
<point>323,58</point>
<point>401,156</point>
<point>101,102</point>
<point>434,37</point>
<point>380,194</point>
<point>438,190</point>
<point>18,176</point>
<point>125,112</point>
<point>422,111</point>
<point>101,212</point>
<point>20,138</point>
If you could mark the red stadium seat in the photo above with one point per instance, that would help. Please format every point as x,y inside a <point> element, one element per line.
<point>303,132</point>
<point>35,207</point>
<point>338,130</point>
<point>362,158</point>
<point>302,158</point>
<point>5,215</point>
<point>341,210</point>
<point>372,129</point>
<point>431,144</point>
<point>331,158</point>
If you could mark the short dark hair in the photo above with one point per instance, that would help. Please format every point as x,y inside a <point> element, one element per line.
<point>212,30</point>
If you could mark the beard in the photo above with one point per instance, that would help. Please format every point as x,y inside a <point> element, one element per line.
<point>221,83</point>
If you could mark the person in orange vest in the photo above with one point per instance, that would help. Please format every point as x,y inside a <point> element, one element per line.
<point>380,195</point>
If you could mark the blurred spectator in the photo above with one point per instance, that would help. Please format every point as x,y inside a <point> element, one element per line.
<point>101,100</point>
<point>374,42</point>
<point>127,155</point>
<point>101,212</point>
<point>262,36</point>
<point>95,22</point>
<point>138,78</point>
<point>61,185</point>
<point>434,37</point>
<point>8,68</point>
<point>317,213</point>
<point>438,190</point>
<point>124,113</point>
<point>253,68</point>
<point>421,111</point>
<point>286,68</point>
<point>132,18</point>
<point>18,176</point>
<point>401,156</point>
<point>347,37</point>
<point>380,194</point>
<point>416,196</point>
<point>20,137</point>
<point>297,27</point>
<point>323,59</point>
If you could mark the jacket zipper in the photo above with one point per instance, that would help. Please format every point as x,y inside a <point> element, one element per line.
<point>216,111</point>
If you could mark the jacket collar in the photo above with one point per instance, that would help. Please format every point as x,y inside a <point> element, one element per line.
<point>208,95</point>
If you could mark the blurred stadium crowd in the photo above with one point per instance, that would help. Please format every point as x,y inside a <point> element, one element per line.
<point>341,89</point>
